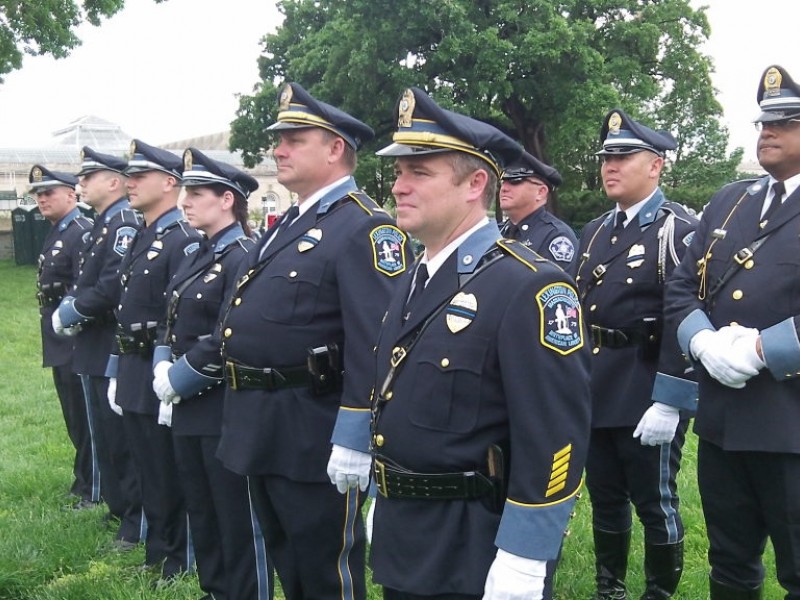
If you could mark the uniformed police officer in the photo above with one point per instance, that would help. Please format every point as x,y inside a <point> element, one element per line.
<point>298,340</point>
<point>152,259</point>
<point>58,270</point>
<point>735,299</point>
<point>90,306</point>
<point>638,382</point>
<point>525,186</point>
<point>481,416</point>
<point>231,557</point>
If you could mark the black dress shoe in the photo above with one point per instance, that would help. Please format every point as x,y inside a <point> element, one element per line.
<point>84,504</point>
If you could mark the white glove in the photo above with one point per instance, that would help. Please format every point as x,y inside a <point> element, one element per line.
<point>112,396</point>
<point>658,424</point>
<point>161,385</point>
<point>713,349</point>
<point>349,468</point>
<point>513,577</point>
<point>55,319</point>
<point>368,522</point>
<point>744,348</point>
<point>165,414</point>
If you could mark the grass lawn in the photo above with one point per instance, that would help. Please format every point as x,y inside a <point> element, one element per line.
<point>50,552</point>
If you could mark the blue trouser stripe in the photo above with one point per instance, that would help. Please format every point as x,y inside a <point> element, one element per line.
<point>87,390</point>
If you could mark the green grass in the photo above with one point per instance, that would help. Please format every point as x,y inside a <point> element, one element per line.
<point>49,552</point>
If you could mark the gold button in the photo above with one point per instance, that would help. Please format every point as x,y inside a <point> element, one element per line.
<point>445,362</point>
<point>734,324</point>
<point>379,440</point>
<point>293,274</point>
<point>228,332</point>
<point>593,307</point>
<point>237,302</point>
<point>595,350</point>
<point>749,264</point>
<point>737,294</point>
<point>388,395</point>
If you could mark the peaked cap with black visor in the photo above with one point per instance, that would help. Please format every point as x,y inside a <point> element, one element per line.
<point>622,135</point>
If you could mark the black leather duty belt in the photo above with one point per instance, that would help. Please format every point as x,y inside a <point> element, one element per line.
<point>397,483</point>
<point>622,337</point>
<point>46,299</point>
<point>138,342</point>
<point>241,377</point>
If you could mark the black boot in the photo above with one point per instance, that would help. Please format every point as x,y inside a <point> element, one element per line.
<point>611,560</point>
<point>720,591</point>
<point>663,565</point>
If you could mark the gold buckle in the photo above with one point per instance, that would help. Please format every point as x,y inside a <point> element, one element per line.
<point>230,369</point>
<point>599,271</point>
<point>398,355</point>
<point>380,478</point>
<point>743,255</point>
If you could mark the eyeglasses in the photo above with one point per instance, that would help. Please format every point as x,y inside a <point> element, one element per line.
<point>782,125</point>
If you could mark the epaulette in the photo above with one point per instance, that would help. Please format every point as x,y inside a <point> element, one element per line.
<point>521,252</point>
<point>367,204</point>
<point>681,211</point>
<point>602,217</point>
<point>129,215</point>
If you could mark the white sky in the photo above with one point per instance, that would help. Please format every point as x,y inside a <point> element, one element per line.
<point>170,71</point>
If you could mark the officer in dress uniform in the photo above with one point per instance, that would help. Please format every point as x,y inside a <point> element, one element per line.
<point>58,270</point>
<point>297,341</point>
<point>229,549</point>
<point>525,186</point>
<point>481,414</point>
<point>151,261</point>
<point>89,311</point>
<point>735,302</point>
<point>639,384</point>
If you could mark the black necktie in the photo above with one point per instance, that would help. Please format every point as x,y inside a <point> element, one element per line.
<point>621,218</point>
<point>291,215</point>
<point>512,231</point>
<point>778,190</point>
<point>420,278</point>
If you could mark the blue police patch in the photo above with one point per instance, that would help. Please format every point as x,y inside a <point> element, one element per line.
<point>387,250</point>
<point>191,248</point>
<point>562,249</point>
<point>123,239</point>
<point>687,240</point>
<point>560,318</point>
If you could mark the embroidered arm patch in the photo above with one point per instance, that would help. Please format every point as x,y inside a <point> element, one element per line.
<point>560,318</point>
<point>387,250</point>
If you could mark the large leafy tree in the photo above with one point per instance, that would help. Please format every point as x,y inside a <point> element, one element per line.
<point>544,71</point>
<point>46,27</point>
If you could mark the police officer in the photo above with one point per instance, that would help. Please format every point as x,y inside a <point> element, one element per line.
<point>231,558</point>
<point>152,259</point>
<point>734,299</point>
<point>89,309</point>
<point>525,186</point>
<point>638,382</point>
<point>297,341</point>
<point>482,407</point>
<point>58,270</point>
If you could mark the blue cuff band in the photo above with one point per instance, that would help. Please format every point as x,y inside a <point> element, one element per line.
<point>186,381</point>
<point>695,321</point>
<point>352,429</point>
<point>161,353</point>
<point>534,531</point>
<point>674,391</point>
<point>111,365</point>
<point>781,350</point>
<point>68,314</point>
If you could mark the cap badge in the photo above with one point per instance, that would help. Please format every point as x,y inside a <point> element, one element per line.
<point>133,148</point>
<point>614,123</point>
<point>405,109</point>
<point>83,155</point>
<point>286,98</point>
<point>187,160</point>
<point>36,174</point>
<point>772,82</point>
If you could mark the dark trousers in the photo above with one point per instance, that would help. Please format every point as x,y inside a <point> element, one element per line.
<point>167,541</point>
<point>78,419</point>
<point>747,497</point>
<point>620,471</point>
<point>229,549</point>
<point>390,594</point>
<point>119,483</point>
<point>315,537</point>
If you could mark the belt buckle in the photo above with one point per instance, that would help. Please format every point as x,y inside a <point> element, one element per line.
<point>599,271</point>
<point>743,255</point>
<point>230,369</point>
<point>380,478</point>
<point>597,335</point>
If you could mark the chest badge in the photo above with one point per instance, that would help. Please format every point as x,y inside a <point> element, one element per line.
<point>461,311</point>
<point>310,239</point>
<point>155,249</point>
<point>635,256</point>
<point>213,272</point>
<point>57,248</point>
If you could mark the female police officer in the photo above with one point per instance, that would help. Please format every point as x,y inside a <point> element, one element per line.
<point>230,552</point>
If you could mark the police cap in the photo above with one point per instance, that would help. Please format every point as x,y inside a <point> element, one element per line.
<point>144,157</point>
<point>92,161</point>
<point>199,169</point>
<point>778,96</point>
<point>297,109</point>
<point>42,178</point>
<point>622,135</point>
<point>527,165</point>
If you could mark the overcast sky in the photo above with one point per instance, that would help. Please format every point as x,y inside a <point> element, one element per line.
<point>170,71</point>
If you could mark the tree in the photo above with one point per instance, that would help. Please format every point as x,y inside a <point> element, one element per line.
<point>46,27</point>
<point>544,71</point>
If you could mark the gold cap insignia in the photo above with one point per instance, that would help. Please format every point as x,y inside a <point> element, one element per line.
<point>133,148</point>
<point>36,174</point>
<point>83,155</point>
<point>187,160</point>
<point>614,123</point>
<point>286,98</point>
<point>405,109</point>
<point>772,82</point>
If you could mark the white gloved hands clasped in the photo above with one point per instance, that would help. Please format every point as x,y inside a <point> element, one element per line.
<point>724,353</point>
<point>658,425</point>
<point>165,414</point>
<point>348,468</point>
<point>513,577</point>
<point>161,384</point>
<point>58,327</point>
<point>111,395</point>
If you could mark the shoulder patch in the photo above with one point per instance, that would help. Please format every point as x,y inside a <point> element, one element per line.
<point>367,204</point>
<point>687,239</point>
<point>562,249</point>
<point>561,322</point>
<point>123,239</point>
<point>388,243</point>
<point>191,248</point>
<point>521,252</point>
